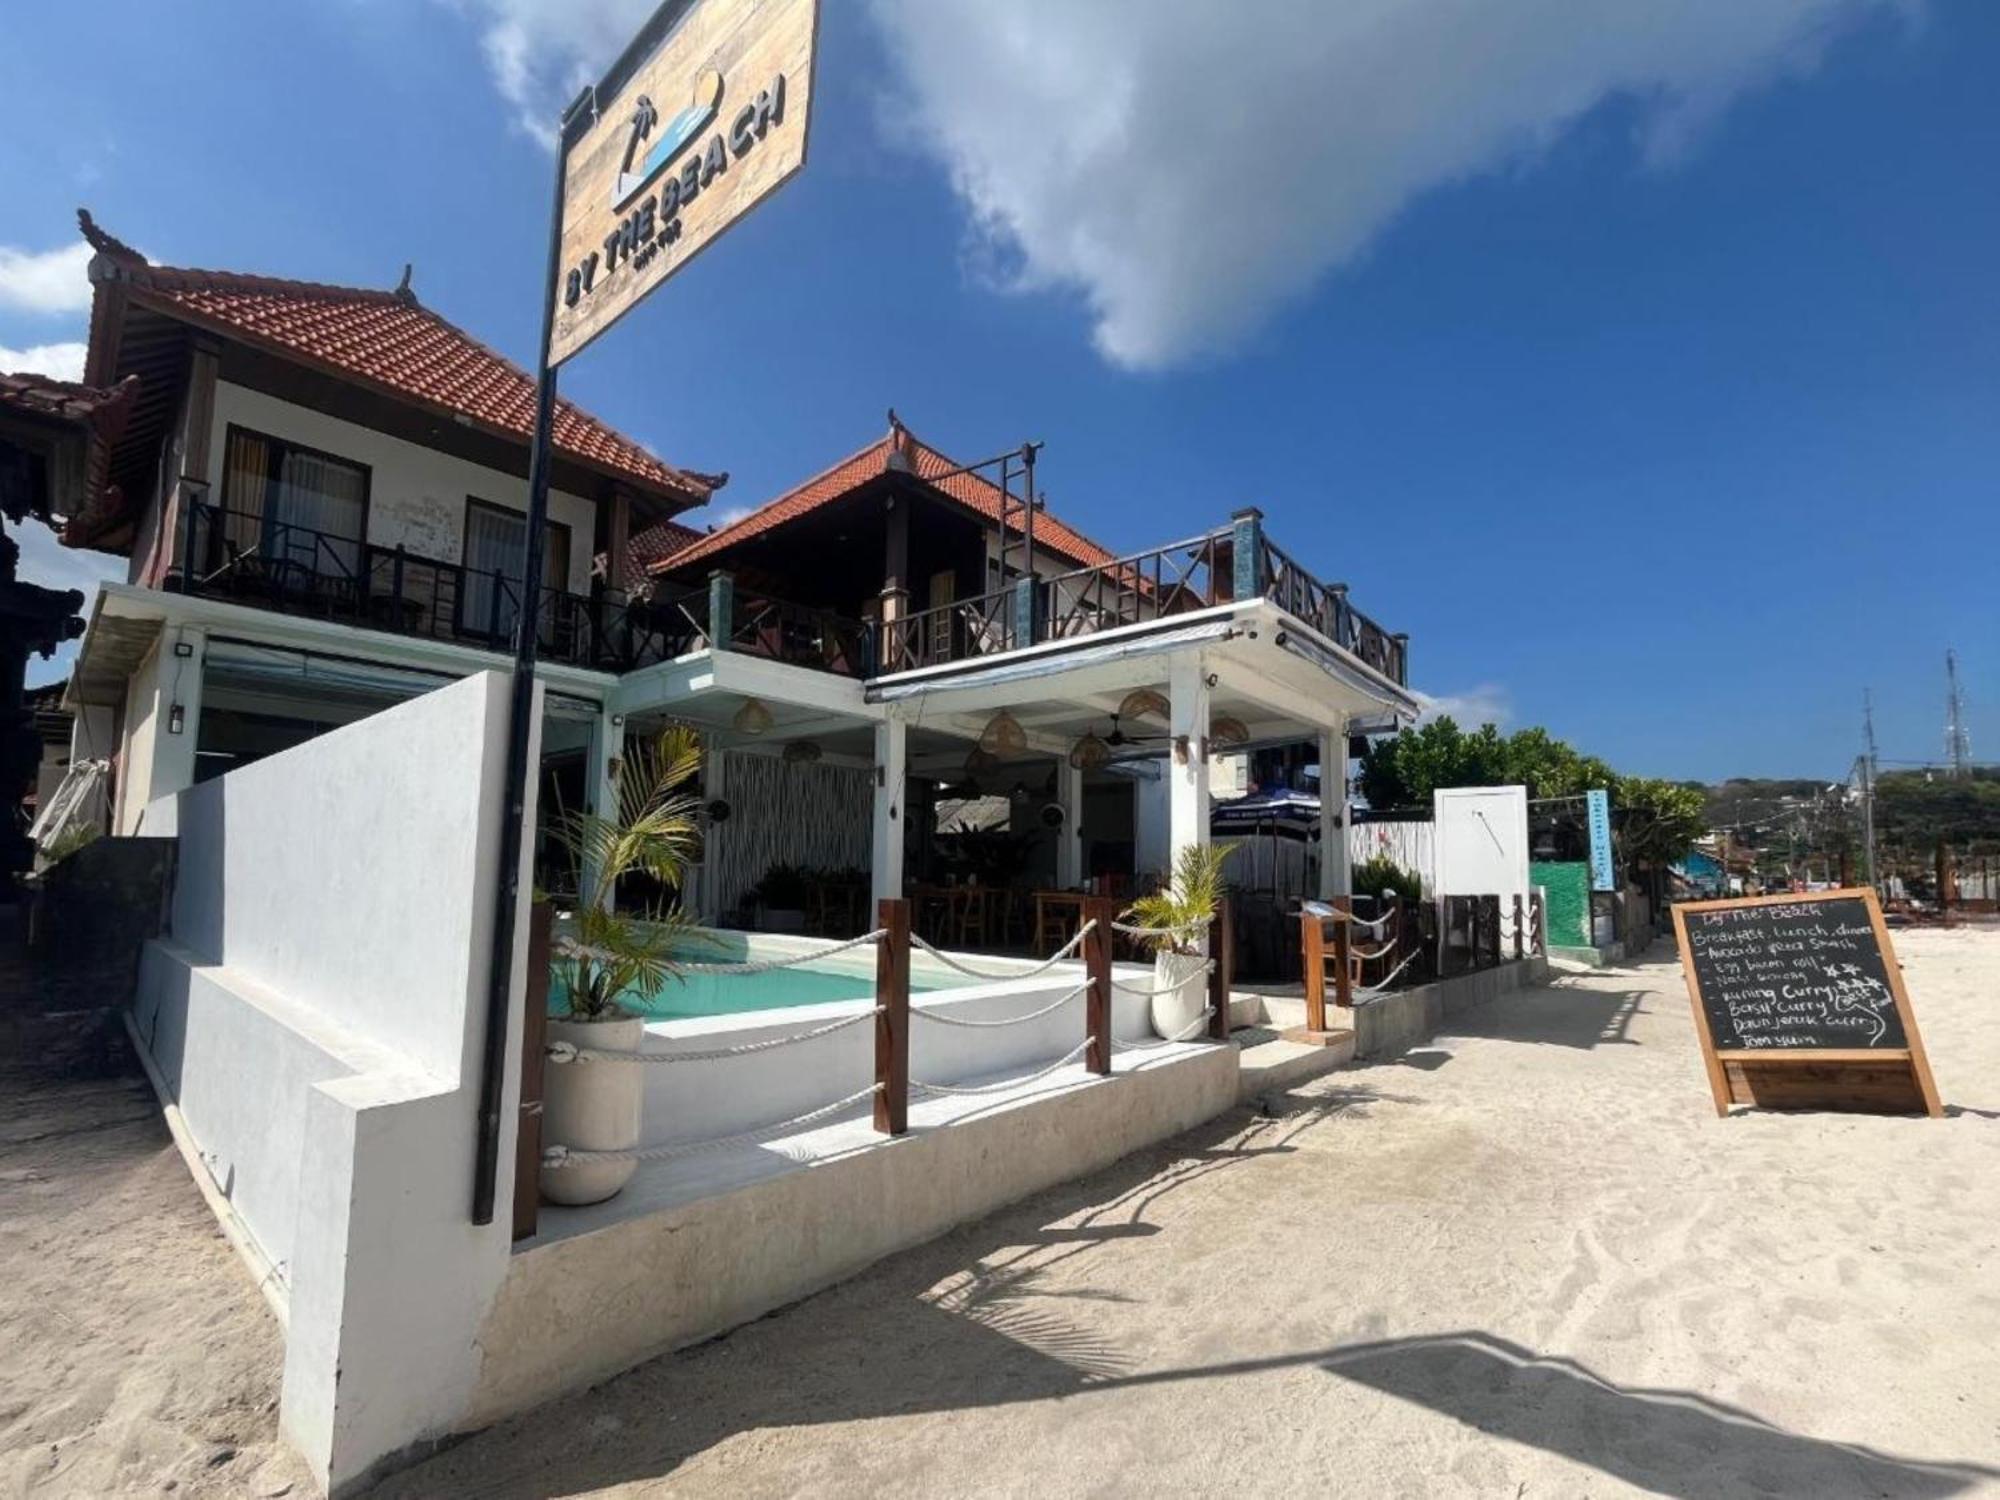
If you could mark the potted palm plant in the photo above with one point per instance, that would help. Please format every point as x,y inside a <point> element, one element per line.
<point>1178,918</point>
<point>601,957</point>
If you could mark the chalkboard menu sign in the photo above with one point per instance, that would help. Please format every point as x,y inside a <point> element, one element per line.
<point>1800,1004</point>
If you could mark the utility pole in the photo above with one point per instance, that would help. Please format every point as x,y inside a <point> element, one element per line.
<point>1957,738</point>
<point>1868,787</point>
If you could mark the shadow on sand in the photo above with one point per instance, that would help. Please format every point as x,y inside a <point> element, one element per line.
<point>972,1321</point>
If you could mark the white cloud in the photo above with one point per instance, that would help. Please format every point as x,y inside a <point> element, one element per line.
<point>1484,703</point>
<point>541,52</point>
<point>47,281</point>
<point>60,361</point>
<point>1190,167</point>
<point>46,561</point>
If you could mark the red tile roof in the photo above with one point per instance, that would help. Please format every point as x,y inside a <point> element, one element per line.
<point>851,473</point>
<point>644,548</point>
<point>389,340</point>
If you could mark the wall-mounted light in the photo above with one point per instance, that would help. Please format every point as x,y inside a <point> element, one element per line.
<point>184,648</point>
<point>618,721</point>
<point>176,719</point>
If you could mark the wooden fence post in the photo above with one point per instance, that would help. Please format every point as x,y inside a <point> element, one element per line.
<point>1519,934</point>
<point>1097,964</point>
<point>1343,945</point>
<point>892,1024</point>
<point>1312,955</point>
<point>1222,952</point>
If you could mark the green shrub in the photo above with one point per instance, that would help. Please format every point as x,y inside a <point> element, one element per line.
<point>1380,876</point>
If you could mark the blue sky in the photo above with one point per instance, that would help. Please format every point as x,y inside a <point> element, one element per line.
<point>1643,364</point>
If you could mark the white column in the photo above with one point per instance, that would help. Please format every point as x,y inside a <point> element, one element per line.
<point>607,744</point>
<point>1069,842</point>
<point>1187,757</point>
<point>160,754</point>
<point>891,785</point>
<point>1335,876</point>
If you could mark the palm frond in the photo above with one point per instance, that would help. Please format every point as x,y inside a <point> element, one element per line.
<point>655,832</point>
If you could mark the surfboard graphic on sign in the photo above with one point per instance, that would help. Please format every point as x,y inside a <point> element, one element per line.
<point>679,132</point>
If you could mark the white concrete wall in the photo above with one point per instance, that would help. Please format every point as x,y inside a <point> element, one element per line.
<point>416,495</point>
<point>1481,837</point>
<point>316,1014</point>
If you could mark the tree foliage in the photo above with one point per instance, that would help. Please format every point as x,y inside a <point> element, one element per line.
<point>1657,820</point>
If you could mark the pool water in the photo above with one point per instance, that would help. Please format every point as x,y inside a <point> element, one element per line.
<point>693,995</point>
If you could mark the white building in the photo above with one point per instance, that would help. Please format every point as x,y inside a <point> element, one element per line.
<point>321,491</point>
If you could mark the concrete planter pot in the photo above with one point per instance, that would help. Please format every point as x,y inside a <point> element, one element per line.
<point>590,1105</point>
<point>1180,983</point>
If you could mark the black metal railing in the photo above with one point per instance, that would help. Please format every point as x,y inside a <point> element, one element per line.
<point>1218,567</point>
<point>280,565</point>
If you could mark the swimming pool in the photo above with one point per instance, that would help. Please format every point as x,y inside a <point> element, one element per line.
<point>842,976</point>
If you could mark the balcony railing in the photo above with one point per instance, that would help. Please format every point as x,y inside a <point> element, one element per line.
<point>280,565</point>
<point>1219,567</point>
<point>276,564</point>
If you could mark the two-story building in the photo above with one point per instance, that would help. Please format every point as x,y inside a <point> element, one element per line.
<point>322,494</point>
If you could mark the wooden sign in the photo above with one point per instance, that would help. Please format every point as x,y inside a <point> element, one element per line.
<point>701,120</point>
<point>1800,1004</point>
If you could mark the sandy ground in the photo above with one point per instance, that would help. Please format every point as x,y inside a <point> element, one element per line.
<point>135,1355</point>
<point>1525,1261</point>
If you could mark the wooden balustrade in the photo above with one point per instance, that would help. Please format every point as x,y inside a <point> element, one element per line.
<point>1097,964</point>
<point>1222,952</point>
<point>892,1021</point>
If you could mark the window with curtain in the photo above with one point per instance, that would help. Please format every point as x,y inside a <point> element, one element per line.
<point>291,504</point>
<point>496,548</point>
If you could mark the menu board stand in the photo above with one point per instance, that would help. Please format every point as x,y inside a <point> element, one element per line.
<point>1799,1004</point>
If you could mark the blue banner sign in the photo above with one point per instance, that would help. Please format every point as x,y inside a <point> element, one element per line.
<point>1601,876</point>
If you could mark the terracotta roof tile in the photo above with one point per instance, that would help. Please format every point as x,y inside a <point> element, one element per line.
<point>389,339</point>
<point>970,490</point>
<point>644,548</point>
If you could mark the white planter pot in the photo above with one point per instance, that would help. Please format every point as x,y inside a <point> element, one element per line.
<point>590,1105</point>
<point>1180,984</point>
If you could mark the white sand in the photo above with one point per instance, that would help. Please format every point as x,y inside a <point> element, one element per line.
<point>1529,1261</point>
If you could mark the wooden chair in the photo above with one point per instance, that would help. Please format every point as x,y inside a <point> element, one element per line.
<point>1055,922</point>
<point>972,905</point>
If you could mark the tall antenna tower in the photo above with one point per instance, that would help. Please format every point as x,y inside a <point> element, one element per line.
<point>1957,738</point>
<point>1868,784</point>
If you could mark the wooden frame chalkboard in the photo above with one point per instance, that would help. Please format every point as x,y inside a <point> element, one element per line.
<point>1799,1004</point>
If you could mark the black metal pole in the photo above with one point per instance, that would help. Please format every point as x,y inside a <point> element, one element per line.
<point>520,724</point>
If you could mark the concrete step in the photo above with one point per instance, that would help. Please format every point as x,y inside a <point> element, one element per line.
<point>1268,1064</point>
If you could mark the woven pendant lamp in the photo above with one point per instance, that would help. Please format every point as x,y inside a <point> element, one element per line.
<point>1225,730</point>
<point>1141,702</point>
<point>752,718</point>
<point>1088,753</point>
<point>1003,735</point>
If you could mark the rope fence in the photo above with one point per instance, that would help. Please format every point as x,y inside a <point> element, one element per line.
<point>557,1157</point>
<point>938,1018</point>
<point>1061,955</point>
<point>1186,1034</point>
<point>917,1085</point>
<point>1149,992</point>
<point>892,1013</point>
<point>568,1052</point>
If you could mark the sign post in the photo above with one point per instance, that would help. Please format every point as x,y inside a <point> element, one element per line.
<point>1799,1004</point>
<point>701,118</point>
